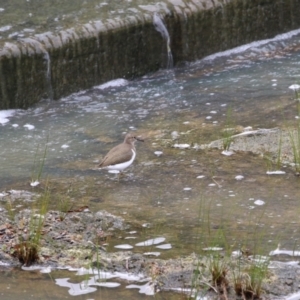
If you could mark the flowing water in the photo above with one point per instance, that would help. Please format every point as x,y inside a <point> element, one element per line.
<point>191,197</point>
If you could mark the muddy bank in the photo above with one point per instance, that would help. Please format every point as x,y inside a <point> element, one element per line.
<point>79,239</point>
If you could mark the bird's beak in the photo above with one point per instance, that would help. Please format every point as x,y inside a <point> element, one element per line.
<point>139,139</point>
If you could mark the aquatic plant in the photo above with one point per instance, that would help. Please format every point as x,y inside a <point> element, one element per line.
<point>28,247</point>
<point>294,135</point>
<point>38,165</point>
<point>228,130</point>
<point>248,282</point>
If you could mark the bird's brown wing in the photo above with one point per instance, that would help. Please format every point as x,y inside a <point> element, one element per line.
<point>115,156</point>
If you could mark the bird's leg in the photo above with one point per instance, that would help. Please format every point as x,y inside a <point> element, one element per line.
<point>120,174</point>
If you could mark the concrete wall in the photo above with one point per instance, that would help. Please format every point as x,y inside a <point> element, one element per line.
<point>55,65</point>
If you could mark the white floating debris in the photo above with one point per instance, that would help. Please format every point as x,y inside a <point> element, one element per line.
<point>187,189</point>
<point>286,252</point>
<point>146,225</point>
<point>236,253</point>
<point>200,176</point>
<point>151,242</point>
<point>5,114</point>
<point>29,126</point>
<point>294,87</point>
<point>109,284</point>
<point>113,83</point>
<point>212,184</point>
<point>185,123</point>
<point>213,112</point>
<point>5,28</point>
<point>31,268</point>
<point>158,153</point>
<point>123,246</point>
<point>212,249</point>
<point>15,125</point>
<point>132,232</point>
<point>75,289</point>
<point>164,246</point>
<point>275,172</point>
<point>227,152</point>
<point>294,296</point>
<point>34,183</point>
<point>239,177</point>
<point>208,117</point>
<point>259,202</point>
<point>152,253</point>
<point>147,289</point>
<point>174,135</point>
<point>181,146</point>
<point>46,270</point>
<point>259,259</point>
<point>65,146</point>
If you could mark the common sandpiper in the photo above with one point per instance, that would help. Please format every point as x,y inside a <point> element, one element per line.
<point>120,156</point>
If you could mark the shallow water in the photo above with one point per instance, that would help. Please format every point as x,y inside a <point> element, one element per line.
<point>165,192</point>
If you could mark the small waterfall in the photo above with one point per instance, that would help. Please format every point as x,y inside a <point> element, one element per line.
<point>48,74</point>
<point>36,44</point>
<point>160,27</point>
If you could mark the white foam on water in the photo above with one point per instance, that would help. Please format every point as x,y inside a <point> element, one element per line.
<point>34,183</point>
<point>147,289</point>
<point>164,246</point>
<point>152,253</point>
<point>259,202</point>
<point>75,289</point>
<point>275,172</point>
<point>295,296</point>
<point>5,114</point>
<point>46,270</point>
<point>285,252</point>
<point>243,48</point>
<point>29,126</point>
<point>109,284</point>
<point>123,246</point>
<point>158,153</point>
<point>5,28</point>
<point>181,146</point>
<point>227,152</point>
<point>151,242</point>
<point>212,249</point>
<point>113,83</point>
<point>294,87</point>
<point>64,146</point>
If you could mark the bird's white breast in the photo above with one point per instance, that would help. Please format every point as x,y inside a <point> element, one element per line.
<point>124,165</point>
